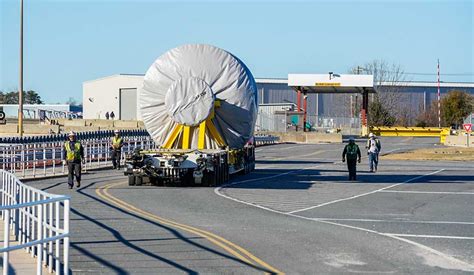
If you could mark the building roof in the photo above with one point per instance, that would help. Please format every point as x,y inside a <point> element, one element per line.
<point>332,83</point>
<point>429,84</point>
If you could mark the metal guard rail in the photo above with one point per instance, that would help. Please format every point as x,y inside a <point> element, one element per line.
<point>86,135</point>
<point>264,140</point>
<point>411,132</point>
<point>45,159</point>
<point>35,219</point>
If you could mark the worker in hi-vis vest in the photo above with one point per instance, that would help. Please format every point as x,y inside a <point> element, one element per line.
<point>73,156</point>
<point>352,154</point>
<point>373,149</point>
<point>117,144</point>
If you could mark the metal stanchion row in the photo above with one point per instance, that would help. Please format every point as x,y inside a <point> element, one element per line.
<point>41,156</point>
<point>266,140</point>
<point>39,222</point>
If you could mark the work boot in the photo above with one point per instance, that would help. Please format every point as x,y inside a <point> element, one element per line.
<point>78,184</point>
<point>70,186</point>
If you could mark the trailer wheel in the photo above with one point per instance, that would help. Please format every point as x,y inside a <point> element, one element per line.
<point>131,180</point>
<point>138,180</point>
<point>246,168</point>
<point>210,178</point>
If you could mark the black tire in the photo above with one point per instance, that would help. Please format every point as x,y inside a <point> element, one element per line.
<point>131,180</point>
<point>211,178</point>
<point>138,180</point>
<point>252,166</point>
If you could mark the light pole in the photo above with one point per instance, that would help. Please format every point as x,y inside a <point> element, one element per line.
<point>20,92</point>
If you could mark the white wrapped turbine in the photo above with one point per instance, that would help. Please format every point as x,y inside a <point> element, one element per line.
<point>182,86</point>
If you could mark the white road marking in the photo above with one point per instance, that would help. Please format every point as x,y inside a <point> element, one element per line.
<point>364,194</point>
<point>394,221</point>
<point>447,261</point>
<point>430,236</point>
<point>427,192</point>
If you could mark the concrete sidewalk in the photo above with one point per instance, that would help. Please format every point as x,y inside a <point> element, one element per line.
<point>20,262</point>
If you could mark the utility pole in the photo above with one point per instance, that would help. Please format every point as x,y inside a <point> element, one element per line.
<point>20,92</point>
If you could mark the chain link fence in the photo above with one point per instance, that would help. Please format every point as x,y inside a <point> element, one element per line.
<point>282,123</point>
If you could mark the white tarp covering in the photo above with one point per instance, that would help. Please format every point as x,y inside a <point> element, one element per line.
<point>182,85</point>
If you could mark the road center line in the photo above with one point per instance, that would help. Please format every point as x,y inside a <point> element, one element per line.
<point>230,247</point>
<point>364,194</point>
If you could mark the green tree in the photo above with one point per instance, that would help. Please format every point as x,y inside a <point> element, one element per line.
<point>455,106</point>
<point>11,98</point>
<point>29,97</point>
<point>32,97</point>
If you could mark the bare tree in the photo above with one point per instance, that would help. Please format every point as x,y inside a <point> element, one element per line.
<point>389,100</point>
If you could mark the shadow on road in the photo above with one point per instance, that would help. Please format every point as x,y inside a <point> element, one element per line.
<point>307,178</point>
<point>291,162</point>
<point>119,237</point>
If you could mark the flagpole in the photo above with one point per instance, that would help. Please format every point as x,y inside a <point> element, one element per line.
<point>439,101</point>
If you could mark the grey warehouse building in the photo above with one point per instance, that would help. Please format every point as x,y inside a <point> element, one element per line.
<point>118,93</point>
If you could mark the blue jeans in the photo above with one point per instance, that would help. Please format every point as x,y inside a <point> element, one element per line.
<point>373,161</point>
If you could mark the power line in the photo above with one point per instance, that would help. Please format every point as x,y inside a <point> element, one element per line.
<point>410,73</point>
<point>451,74</point>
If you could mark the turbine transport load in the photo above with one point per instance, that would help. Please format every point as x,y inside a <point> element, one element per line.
<point>199,104</point>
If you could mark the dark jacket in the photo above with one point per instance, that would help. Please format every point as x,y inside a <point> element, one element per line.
<point>351,152</point>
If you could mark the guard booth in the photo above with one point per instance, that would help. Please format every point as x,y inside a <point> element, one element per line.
<point>304,84</point>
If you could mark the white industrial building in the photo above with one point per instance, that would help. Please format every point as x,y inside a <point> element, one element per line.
<point>118,93</point>
<point>115,93</point>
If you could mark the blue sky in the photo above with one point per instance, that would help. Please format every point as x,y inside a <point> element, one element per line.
<point>69,42</point>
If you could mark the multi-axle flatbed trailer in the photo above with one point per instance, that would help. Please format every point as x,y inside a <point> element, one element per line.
<point>208,167</point>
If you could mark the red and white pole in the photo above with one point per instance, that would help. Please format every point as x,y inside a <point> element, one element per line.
<point>439,101</point>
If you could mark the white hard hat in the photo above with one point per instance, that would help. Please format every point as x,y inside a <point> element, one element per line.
<point>116,131</point>
<point>72,133</point>
<point>371,135</point>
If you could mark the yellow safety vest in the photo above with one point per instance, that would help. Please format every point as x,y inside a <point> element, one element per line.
<point>75,154</point>
<point>116,142</point>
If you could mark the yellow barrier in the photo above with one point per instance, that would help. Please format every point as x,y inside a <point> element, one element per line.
<point>411,132</point>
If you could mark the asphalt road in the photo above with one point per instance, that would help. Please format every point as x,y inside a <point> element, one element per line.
<point>295,214</point>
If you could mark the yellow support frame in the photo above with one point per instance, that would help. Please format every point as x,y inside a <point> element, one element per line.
<point>214,133</point>
<point>186,137</point>
<point>202,135</point>
<point>186,131</point>
<point>172,138</point>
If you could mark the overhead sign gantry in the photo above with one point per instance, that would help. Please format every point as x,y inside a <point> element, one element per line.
<point>333,83</point>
